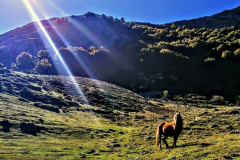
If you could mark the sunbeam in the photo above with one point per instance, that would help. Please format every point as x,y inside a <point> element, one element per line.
<point>61,59</point>
<point>35,18</point>
<point>80,61</point>
<point>86,32</point>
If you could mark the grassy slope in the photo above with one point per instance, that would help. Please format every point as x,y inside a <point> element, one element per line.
<point>67,131</point>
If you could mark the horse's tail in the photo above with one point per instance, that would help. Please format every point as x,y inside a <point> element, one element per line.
<point>159,133</point>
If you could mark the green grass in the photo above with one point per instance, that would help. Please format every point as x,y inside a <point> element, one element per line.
<point>67,131</point>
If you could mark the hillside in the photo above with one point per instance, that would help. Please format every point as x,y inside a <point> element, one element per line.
<point>226,18</point>
<point>138,56</point>
<point>45,117</point>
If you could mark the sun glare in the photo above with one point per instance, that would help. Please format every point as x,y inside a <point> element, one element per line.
<point>35,18</point>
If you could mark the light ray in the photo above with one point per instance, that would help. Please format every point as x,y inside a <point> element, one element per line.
<point>65,66</point>
<point>81,27</point>
<point>80,61</point>
<point>35,18</point>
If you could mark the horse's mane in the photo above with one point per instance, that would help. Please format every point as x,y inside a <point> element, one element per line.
<point>178,120</point>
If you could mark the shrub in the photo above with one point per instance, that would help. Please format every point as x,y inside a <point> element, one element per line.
<point>173,26</point>
<point>24,60</point>
<point>226,54</point>
<point>122,20</point>
<point>209,59</point>
<point>165,93</point>
<point>60,21</point>
<point>103,16</point>
<point>44,67</point>
<point>43,54</point>
<point>89,14</point>
<point>131,24</point>
<point>110,19</point>
<point>237,52</point>
<point>221,47</point>
<point>13,66</point>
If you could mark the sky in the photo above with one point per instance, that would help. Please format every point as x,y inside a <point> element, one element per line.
<point>14,14</point>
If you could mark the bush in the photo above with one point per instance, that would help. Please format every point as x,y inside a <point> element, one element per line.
<point>103,16</point>
<point>44,67</point>
<point>122,20</point>
<point>89,14</point>
<point>24,60</point>
<point>13,66</point>
<point>209,59</point>
<point>237,52</point>
<point>43,54</point>
<point>165,93</point>
<point>226,54</point>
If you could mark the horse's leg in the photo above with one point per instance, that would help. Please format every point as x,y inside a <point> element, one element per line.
<point>160,137</point>
<point>164,140</point>
<point>175,141</point>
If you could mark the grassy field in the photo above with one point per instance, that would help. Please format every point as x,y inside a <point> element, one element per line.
<point>206,134</point>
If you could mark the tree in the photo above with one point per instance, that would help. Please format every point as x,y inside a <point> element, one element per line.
<point>226,54</point>
<point>237,52</point>
<point>173,26</point>
<point>44,67</point>
<point>122,20</point>
<point>43,54</point>
<point>24,60</point>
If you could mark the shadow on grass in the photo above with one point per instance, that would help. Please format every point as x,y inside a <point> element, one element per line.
<point>195,144</point>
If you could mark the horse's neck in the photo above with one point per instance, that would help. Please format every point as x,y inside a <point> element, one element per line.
<point>178,124</point>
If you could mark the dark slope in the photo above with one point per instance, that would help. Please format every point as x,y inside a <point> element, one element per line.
<point>56,93</point>
<point>137,56</point>
<point>78,31</point>
<point>226,18</point>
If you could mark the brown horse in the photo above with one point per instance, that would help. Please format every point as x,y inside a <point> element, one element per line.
<point>169,129</point>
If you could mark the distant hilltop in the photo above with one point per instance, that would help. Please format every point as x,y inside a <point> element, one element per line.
<point>223,19</point>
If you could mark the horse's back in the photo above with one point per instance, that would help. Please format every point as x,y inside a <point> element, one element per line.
<point>168,129</point>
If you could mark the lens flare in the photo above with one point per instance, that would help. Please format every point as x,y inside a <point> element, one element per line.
<point>35,18</point>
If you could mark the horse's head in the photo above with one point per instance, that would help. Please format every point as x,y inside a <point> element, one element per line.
<point>178,119</point>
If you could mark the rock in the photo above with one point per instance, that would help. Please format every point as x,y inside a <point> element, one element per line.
<point>80,147</point>
<point>41,120</point>
<point>121,132</point>
<point>143,133</point>
<point>96,154</point>
<point>116,145</point>
<point>91,151</point>
<point>214,126</point>
<point>23,114</point>
<point>229,127</point>
<point>190,132</point>
<point>82,155</point>
<point>173,158</point>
